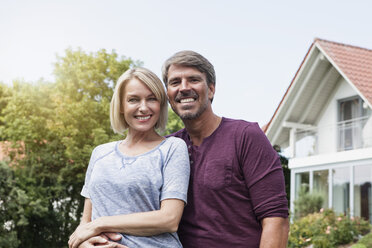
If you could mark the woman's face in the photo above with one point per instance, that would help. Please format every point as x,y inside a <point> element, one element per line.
<point>141,108</point>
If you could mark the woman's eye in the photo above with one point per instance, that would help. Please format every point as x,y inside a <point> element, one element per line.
<point>132,100</point>
<point>153,99</point>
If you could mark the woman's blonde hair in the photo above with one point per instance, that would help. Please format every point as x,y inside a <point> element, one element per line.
<point>118,122</point>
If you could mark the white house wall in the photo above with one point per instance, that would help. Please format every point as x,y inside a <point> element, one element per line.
<point>327,131</point>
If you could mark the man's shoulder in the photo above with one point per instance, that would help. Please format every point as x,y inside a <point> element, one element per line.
<point>179,134</point>
<point>238,124</point>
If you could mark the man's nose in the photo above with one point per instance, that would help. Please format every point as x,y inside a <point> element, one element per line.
<point>184,85</point>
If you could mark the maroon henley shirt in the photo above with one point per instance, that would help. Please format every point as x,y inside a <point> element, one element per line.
<point>236,180</point>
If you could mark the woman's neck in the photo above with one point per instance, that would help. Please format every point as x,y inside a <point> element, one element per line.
<point>139,142</point>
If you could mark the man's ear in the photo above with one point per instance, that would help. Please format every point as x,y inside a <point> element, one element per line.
<point>211,91</point>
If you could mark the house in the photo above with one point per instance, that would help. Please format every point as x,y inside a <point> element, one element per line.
<point>324,123</point>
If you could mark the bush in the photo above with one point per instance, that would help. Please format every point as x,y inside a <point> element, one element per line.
<point>326,229</point>
<point>364,242</point>
<point>359,246</point>
<point>307,203</point>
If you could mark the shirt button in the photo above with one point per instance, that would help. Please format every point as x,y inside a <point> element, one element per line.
<point>191,162</point>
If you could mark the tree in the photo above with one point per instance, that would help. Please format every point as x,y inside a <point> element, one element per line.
<point>54,127</point>
<point>286,171</point>
<point>10,197</point>
<point>5,93</point>
<point>174,122</point>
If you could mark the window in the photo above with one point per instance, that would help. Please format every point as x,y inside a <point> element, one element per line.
<point>320,185</point>
<point>302,181</point>
<point>363,192</point>
<point>351,123</point>
<point>341,189</point>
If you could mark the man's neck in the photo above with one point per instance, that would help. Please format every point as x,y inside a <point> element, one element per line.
<point>202,127</point>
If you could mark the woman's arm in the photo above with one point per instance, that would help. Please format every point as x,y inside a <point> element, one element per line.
<point>101,239</point>
<point>150,223</point>
<point>139,224</point>
<point>87,212</point>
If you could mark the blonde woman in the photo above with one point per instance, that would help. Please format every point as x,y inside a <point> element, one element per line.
<point>136,187</point>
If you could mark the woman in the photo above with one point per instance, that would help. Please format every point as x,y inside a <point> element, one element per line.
<point>138,186</point>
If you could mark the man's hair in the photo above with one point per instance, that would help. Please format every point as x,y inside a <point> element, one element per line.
<point>118,122</point>
<point>190,59</point>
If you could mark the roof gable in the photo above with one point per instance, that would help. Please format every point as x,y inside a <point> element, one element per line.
<point>320,70</point>
<point>354,63</point>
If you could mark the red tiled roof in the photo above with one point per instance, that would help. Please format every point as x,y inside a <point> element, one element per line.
<point>354,62</point>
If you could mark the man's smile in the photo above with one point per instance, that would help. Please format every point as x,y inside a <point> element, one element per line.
<point>187,100</point>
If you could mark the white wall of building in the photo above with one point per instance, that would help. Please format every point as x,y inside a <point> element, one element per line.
<point>327,131</point>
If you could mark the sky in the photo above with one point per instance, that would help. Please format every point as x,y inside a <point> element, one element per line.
<point>256,47</point>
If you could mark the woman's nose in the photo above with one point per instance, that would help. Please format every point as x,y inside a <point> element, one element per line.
<point>143,106</point>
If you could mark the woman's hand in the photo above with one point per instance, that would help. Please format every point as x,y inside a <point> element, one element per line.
<point>82,233</point>
<point>102,242</point>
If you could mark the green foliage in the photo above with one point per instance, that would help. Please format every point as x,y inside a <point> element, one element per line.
<point>286,171</point>
<point>359,246</point>
<point>307,202</point>
<point>5,94</point>
<point>326,229</point>
<point>364,242</point>
<point>8,207</point>
<point>53,128</point>
<point>174,123</point>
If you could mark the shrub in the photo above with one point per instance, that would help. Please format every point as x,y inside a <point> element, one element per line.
<point>307,203</point>
<point>359,246</point>
<point>366,241</point>
<point>326,229</point>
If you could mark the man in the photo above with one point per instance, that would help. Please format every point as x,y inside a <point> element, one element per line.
<point>236,194</point>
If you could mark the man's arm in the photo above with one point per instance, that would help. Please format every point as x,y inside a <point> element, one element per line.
<point>274,232</point>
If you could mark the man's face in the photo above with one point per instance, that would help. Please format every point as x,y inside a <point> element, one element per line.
<point>188,92</point>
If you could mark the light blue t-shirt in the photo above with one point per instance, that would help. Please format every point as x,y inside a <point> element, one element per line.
<point>118,184</point>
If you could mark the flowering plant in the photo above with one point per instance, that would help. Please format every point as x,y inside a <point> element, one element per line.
<point>326,229</point>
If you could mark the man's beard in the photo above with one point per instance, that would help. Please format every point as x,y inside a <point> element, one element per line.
<point>189,116</point>
<point>192,116</point>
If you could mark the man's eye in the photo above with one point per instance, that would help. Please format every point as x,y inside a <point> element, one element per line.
<point>173,83</point>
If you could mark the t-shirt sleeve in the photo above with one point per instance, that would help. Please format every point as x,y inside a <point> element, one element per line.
<point>176,172</point>
<point>85,191</point>
<point>263,174</point>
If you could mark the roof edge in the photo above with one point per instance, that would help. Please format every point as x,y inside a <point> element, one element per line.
<point>268,125</point>
<point>341,44</point>
<point>335,65</point>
